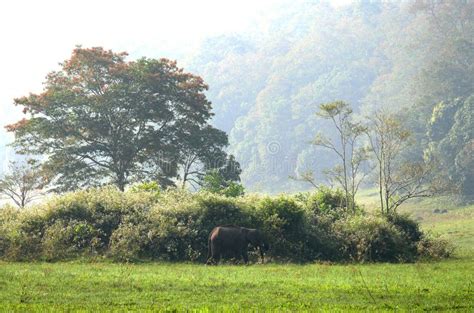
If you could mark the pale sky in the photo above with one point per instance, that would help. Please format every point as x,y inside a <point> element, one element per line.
<point>36,35</point>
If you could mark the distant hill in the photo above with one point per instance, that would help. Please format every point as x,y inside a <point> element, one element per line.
<point>266,84</point>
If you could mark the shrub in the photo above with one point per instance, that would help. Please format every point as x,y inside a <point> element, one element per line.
<point>434,248</point>
<point>326,200</point>
<point>25,237</point>
<point>284,222</point>
<point>321,240</point>
<point>8,225</point>
<point>64,240</point>
<point>409,227</point>
<point>372,239</point>
<point>103,208</point>
<point>129,241</point>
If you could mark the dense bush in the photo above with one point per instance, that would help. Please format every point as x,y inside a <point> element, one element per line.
<point>281,219</point>
<point>429,248</point>
<point>182,225</point>
<point>373,238</point>
<point>174,225</point>
<point>65,239</point>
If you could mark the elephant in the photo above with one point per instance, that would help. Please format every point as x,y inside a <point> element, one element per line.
<point>231,238</point>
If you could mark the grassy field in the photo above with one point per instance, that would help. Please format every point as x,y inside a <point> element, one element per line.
<point>447,285</point>
<point>86,286</point>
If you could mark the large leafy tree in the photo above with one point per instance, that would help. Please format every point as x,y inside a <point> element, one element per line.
<point>101,119</point>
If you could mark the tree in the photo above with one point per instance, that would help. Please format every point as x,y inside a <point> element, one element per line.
<point>201,150</point>
<point>103,120</point>
<point>398,178</point>
<point>451,141</point>
<point>347,147</point>
<point>223,177</point>
<point>23,183</point>
<point>228,168</point>
<point>215,182</point>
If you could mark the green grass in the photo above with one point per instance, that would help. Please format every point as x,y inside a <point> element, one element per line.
<point>426,286</point>
<point>73,286</point>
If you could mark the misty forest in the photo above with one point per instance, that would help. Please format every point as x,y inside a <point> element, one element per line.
<point>329,148</point>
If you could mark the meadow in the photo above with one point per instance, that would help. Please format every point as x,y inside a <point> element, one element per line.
<point>42,287</point>
<point>93,285</point>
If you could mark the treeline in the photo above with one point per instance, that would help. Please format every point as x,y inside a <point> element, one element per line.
<point>148,224</point>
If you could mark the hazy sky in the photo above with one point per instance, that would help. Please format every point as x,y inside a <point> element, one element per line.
<point>36,35</point>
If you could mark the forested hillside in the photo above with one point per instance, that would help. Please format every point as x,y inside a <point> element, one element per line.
<point>266,85</point>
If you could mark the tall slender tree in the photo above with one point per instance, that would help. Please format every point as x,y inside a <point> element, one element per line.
<point>347,146</point>
<point>399,179</point>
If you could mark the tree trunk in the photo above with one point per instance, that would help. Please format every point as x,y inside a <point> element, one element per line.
<point>121,182</point>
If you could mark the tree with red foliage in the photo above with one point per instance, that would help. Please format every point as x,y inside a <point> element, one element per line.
<point>101,119</point>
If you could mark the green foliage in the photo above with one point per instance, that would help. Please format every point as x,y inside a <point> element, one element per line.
<point>63,240</point>
<point>234,190</point>
<point>215,182</point>
<point>283,220</point>
<point>312,54</point>
<point>182,225</point>
<point>174,226</point>
<point>148,187</point>
<point>203,151</point>
<point>327,201</point>
<point>128,241</point>
<point>434,248</point>
<point>409,227</point>
<point>72,224</point>
<point>373,238</point>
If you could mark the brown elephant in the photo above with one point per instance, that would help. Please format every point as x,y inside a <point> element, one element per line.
<point>234,239</point>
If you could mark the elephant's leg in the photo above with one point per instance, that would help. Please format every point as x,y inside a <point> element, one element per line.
<point>261,254</point>
<point>236,253</point>
<point>216,253</point>
<point>245,256</point>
